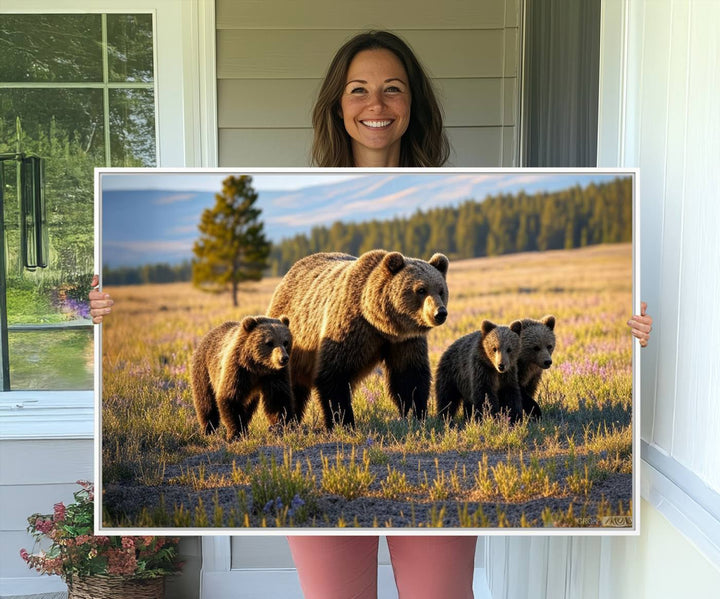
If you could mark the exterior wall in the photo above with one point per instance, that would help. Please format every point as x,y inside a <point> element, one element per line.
<point>660,80</point>
<point>36,474</point>
<point>45,447</point>
<point>658,564</point>
<point>274,552</point>
<point>271,58</point>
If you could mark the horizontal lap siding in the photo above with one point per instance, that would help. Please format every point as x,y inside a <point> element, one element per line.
<point>35,475</point>
<point>349,14</point>
<point>271,60</point>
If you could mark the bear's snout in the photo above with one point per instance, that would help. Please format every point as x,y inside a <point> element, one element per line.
<point>440,315</point>
<point>280,357</point>
<point>547,364</point>
<point>501,367</point>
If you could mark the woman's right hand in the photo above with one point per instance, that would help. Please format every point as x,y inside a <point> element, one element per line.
<point>99,302</point>
<point>641,325</point>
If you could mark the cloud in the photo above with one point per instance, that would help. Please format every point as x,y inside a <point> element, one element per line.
<point>175,198</point>
<point>184,229</point>
<point>180,246</point>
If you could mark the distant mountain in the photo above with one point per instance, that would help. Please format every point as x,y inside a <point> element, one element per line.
<point>148,226</point>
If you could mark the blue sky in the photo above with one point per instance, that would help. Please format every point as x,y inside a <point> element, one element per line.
<point>207,181</point>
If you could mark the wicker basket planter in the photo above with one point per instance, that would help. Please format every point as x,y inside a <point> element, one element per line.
<point>116,587</point>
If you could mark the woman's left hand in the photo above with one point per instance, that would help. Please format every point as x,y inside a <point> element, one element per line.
<point>641,325</point>
<point>100,303</point>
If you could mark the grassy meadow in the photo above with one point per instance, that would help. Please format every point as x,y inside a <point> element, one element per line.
<point>573,468</point>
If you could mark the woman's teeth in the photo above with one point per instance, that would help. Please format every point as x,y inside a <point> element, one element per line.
<point>376,124</point>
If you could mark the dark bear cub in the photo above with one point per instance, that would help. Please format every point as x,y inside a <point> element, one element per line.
<point>349,314</point>
<point>537,343</point>
<point>480,367</point>
<point>234,366</point>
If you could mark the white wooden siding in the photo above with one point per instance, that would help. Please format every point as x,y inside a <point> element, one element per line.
<point>271,59</point>
<point>660,84</point>
<point>273,552</point>
<point>673,135</point>
<point>331,14</point>
<point>34,475</point>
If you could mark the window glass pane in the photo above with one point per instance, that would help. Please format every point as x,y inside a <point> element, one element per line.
<point>53,122</point>
<point>65,128</point>
<point>53,360</point>
<point>130,48</point>
<point>38,48</point>
<point>132,127</point>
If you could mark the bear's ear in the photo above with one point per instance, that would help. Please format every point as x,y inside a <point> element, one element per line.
<point>394,262</point>
<point>285,320</point>
<point>549,321</point>
<point>249,323</point>
<point>486,326</point>
<point>440,262</point>
<point>516,326</point>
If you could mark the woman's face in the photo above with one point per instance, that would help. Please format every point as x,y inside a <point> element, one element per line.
<point>375,107</point>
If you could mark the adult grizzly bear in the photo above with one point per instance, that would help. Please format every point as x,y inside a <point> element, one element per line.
<point>537,343</point>
<point>481,366</point>
<point>236,363</point>
<point>349,314</point>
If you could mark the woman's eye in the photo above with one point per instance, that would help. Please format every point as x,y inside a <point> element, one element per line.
<point>357,90</point>
<point>393,89</point>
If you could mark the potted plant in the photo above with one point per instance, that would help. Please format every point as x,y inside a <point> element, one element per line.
<point>98,567</point>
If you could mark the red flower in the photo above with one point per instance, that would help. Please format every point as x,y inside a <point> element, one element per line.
<point>59,509</point>
<point>128,543</point>
<point>71,554</point>
<point>121,562</point>
<point>44,526</point>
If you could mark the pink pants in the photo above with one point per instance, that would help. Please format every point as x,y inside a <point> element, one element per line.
<point>341,567</point>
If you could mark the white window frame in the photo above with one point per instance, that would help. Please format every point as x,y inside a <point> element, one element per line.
<point>186,130</point>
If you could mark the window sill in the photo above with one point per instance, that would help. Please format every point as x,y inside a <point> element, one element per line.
<point>686,501</point>
<point>46,415</point>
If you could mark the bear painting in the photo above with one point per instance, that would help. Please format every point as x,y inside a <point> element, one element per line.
<point>350,314</point>
<point>537,343</point>
<point>234,366</point>
<point>480,367</point>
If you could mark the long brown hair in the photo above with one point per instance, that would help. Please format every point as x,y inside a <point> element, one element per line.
<point>423,144</point>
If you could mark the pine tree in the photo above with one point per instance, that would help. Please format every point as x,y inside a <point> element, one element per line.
<point>232,247</point>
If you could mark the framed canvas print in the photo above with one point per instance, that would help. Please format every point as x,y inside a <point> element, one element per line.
<point>352,350</point>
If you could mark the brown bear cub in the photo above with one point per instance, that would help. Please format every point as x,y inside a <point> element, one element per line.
<point>537,343</point>
<point>480,367</point>
<point>237,363</point>
<point>349,314</point>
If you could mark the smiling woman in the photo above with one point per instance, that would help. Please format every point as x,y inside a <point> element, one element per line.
<point>377,107</point>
